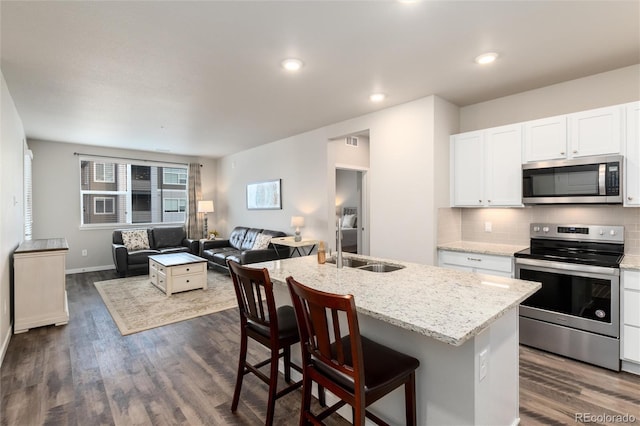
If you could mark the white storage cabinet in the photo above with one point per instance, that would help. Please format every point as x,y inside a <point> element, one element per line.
<point>40,294</point>
<point>480,263</point>
<point>630,316</point>
<point>632,158</point>
<point>486,168</point>
<point>586,133</point>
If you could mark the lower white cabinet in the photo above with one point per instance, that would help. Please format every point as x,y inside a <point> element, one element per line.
<point>40,295</point>
<point>630,316</point>
<point>490,264</point>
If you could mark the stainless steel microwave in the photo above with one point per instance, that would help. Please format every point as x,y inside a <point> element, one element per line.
<point>586,180</point>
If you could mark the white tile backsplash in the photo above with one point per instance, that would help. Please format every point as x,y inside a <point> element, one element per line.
<point>511,226</point>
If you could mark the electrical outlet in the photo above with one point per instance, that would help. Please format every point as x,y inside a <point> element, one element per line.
<point>84,252</point>
<point>487,227</point>
<point>483,363</point>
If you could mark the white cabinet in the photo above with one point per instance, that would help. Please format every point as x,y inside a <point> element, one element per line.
<point>40,295</point>
<point>545,139</point>
<point>476,262</point>
<point>632,157</point>
<point>486,168</point>
<point>467,168</point>
<point>593,132</point>
<point>630,316</point>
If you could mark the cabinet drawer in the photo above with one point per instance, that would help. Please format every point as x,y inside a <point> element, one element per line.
<point>631,280</point>
<point>188,282</point>
<point>475,260</point>
<point>631,307</point>
<point>155,266</point>
<point>631,343</point>
<point>188,269</point>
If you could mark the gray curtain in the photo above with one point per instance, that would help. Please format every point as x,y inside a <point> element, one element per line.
<point>194,223</point>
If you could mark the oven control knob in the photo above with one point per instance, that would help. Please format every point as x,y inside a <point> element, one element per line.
<point>545,229</point>
<point>601,232</point>
<point>536,229</point>
<point>612,232</point>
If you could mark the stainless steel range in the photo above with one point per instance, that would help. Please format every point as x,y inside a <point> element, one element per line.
<point>576,313</point>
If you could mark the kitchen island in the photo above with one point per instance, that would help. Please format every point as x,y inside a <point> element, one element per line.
<point>463,328</point>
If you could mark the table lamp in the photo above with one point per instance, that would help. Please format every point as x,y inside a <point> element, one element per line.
<point>205,207</point>
<point>297,222</point>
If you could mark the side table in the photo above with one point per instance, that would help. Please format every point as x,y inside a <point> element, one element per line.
<point>297,246</point>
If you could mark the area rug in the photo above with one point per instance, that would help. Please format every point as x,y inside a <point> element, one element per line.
<point>136,305</point>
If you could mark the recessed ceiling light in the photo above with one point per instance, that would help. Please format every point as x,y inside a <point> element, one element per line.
<point>486,58</point>
<point>377,97</point>
<point>292,64</point>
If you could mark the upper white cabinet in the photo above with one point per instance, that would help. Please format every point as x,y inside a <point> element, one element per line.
<point>467,151</point>
<point>632,158</point>
<point>486,168</point>
<point>594,132</point>
<point>545,139</point>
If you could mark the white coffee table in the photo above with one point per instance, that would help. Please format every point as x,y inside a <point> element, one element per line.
<point>177,272</point>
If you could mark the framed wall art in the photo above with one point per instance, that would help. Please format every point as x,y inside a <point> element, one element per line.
<point>264,195</point>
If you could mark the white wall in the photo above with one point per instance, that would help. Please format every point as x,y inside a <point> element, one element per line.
<point>56,199</point>
<point>599,90</point>
<point>403,194</point>
<point>12,141</point>
<point>347,187</point>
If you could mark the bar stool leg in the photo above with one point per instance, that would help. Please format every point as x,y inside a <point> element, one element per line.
<point>241,369</point>
<point>273,386</point>
<point>410,400</point>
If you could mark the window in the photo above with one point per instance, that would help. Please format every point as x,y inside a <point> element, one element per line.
<point>104,205</point>
<point>119,192</point>
<point>175,205</point>
<point>175,176</point>
<point>104,172</point>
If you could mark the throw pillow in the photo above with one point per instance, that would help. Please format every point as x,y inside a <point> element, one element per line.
<point>135,239</point>
<point>262,242</point>
<point>348,220</point>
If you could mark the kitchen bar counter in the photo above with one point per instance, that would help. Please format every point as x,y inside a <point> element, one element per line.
<point>630,261</point>
<point>447,305</point>
<point>463,328</point>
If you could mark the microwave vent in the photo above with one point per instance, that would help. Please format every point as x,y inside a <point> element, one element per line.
<point>351,140</point>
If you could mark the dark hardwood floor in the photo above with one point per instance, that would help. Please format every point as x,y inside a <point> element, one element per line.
<point>86,373</point>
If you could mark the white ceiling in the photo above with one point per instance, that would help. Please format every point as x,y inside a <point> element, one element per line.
<point>203,78</point>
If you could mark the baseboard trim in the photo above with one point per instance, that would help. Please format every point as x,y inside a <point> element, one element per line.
<point>5,344</point>
<point>89,269</point>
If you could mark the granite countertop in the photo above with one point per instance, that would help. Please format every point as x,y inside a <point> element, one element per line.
<point>447,305</point>
<point>482,248</point>
<point>630,261</point>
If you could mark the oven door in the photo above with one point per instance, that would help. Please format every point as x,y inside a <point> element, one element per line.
<point>583,297</point>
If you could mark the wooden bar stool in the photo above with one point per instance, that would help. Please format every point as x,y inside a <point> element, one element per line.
<point>274,328</point>
<point>356,369</point>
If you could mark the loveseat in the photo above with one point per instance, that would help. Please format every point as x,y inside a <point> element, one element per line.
<point>245,245</point>
<point>131,248</point>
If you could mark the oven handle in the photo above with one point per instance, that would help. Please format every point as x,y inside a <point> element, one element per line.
<point>575,267</point>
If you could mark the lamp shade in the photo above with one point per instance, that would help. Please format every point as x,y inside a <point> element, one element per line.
<point>205,206</point>
<point>297,221</point>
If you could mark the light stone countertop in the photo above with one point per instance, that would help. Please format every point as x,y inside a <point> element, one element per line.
<point>447,305</point>
<point>482,248</point>
<point>630,261</point>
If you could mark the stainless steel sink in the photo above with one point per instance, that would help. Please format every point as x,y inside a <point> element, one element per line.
<point>349,262</point>
<point>366,265</point>
<point>381,267</point>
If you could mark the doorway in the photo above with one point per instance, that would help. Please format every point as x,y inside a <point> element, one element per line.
<point>350,196</point>
<point>348,168</point>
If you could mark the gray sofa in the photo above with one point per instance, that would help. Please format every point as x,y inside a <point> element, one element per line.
<point>239,247</point>
<point>162,240</point>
